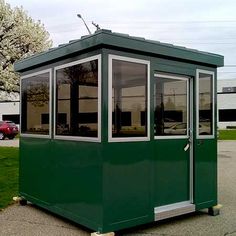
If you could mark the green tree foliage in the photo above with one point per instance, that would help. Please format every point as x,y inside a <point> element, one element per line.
<point>20,36</point>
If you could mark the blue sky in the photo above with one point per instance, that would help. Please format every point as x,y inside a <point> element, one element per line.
<point>208,25</point>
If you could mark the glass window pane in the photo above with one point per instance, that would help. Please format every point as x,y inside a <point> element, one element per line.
<point>205,104</point>
<point>35,104</point>
<point>77,100</point>
<point>129,99</point>
<point>171,107</point>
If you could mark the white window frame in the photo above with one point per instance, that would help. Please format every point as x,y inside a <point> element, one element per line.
<point>212,136</point>
<point>127,59</point>
<point>167,75</point>
<point>80,138</point>
<point>50,104</point>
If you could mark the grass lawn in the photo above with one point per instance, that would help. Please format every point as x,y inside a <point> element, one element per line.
<point>227,134</point>
<point>9,162</point>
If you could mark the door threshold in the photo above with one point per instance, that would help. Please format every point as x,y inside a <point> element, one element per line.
<point>176,209</point>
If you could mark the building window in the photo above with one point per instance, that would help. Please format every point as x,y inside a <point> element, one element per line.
<point>229,89</point>
<point>128,99</point>
<point>171,115</point>
<point>78,100</point>
<point>14,118</point>
<point>44,119</point>
<point>35,102</point>
<point>227,115</point>
<point>205,104</point>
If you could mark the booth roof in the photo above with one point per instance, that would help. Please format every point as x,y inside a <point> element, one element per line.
<point>123,42</point>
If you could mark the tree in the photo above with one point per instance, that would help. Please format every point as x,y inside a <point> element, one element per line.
<point>20,36</point>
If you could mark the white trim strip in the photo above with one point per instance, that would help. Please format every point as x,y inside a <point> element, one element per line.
<point>176,209</point>
<point>171,137</point>
<point>191,183</point>
<point>170,76</point>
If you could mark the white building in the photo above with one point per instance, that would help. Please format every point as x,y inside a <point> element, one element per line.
<point>226,98</point>
<point>9,107</point>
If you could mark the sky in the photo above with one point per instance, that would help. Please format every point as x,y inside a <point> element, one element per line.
<point>206,25</point>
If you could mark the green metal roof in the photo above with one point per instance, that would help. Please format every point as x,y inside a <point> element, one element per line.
<point>108,39</point>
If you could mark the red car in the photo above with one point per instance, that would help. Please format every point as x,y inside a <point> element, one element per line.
<point>8,129</point>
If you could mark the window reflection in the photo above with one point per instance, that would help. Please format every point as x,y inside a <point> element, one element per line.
<point>129,99</point>
<point>171,107</point>
<point>35,104</point>
<point>77,100</point>
<point>205,104</point>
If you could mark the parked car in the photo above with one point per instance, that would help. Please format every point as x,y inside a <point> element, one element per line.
<point>176,129</point>
<point>8,129</point>
<point>180,129</point>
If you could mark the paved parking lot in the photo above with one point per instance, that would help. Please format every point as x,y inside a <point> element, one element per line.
<point>9,143</point>
<point>30,220</point>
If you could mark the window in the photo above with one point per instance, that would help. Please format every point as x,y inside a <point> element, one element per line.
<point>205,104</point>
<point>128,99</point>
<point>229,89</point>
<point>44,119</point>
<point>14,118</point>
<point>227,115</point>
<point>171,116</point>
<point>77,100</point>
<point>35,102</point>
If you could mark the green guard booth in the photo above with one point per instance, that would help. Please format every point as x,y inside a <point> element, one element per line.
<point>119,131</point>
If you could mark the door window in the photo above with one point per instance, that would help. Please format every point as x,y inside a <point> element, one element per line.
<point>171,106</point>
<point>205,104</point>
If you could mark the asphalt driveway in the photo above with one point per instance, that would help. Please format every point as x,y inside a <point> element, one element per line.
<point>30,220</point>
<point>9,143</point>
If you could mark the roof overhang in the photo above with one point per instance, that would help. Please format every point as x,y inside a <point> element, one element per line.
<point>107,39</point>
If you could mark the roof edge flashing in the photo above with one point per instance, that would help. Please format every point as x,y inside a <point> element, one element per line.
<point>109,38</point>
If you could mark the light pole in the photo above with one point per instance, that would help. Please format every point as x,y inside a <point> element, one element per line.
<point>84,23</point>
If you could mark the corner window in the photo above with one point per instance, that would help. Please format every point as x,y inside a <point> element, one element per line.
<point>35,104</point>
<point>77,102</point>
<point>128,99</point>
<point>205,104</point>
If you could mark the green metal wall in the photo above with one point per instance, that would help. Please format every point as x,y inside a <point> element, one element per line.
<point>63,176</point>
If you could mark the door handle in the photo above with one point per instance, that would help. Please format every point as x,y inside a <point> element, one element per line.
<point>186,147</point>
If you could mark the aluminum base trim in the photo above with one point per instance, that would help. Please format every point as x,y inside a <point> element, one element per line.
<point>172,210</point>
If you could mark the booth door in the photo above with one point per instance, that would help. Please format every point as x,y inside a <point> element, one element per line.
<point>205,149</point>
<point>172,145</point>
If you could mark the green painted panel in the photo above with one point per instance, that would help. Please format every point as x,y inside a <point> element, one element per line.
<point>126,179</point>
<point>35,169</point>
<point>63,175</point>
<point>171,172</point>
<point>205,173</point>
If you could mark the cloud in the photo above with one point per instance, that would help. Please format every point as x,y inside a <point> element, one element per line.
<point>204,24</point>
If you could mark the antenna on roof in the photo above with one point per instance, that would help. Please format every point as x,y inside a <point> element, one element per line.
<point>78,15</point>
<point>96,25</point>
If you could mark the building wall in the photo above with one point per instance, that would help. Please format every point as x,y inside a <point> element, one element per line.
<point>226,98</point>
<point>8,109</point>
